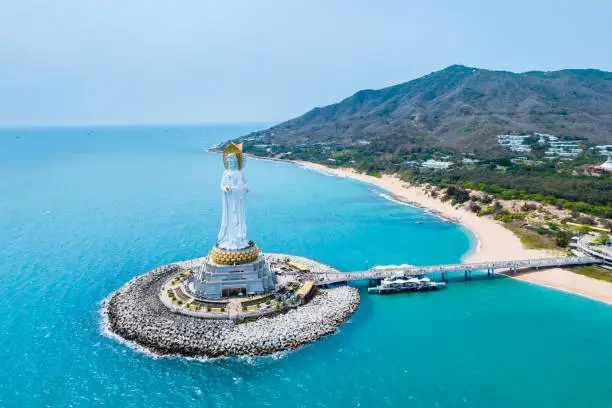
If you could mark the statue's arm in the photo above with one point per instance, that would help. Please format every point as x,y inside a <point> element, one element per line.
<point>238,183</point>
<point>225,185</point>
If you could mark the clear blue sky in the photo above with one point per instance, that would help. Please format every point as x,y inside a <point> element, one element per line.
<point>66,62</point>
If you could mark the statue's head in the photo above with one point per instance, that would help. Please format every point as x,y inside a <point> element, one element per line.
<point>232,161</point>
<point>235,151</point>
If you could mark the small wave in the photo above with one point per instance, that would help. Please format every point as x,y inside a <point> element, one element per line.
<point>394,200</point>
<point>318,171</point>
<point>427,211</point>
<point>475,248</point>
<point>106,331</point>
<point>279,355</point>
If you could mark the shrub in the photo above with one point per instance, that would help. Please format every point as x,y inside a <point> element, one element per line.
<point>583,228</point>
<point>562,239</point>
<point>487,211</point>
<point>475,208</point>
<point>457,195</point>
<point>507,216</point>
<point>585,220</point>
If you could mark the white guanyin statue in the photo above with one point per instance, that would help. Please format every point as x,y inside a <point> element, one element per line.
<point>232,234</point>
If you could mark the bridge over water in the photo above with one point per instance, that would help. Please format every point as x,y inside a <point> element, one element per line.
<point>377,273</point>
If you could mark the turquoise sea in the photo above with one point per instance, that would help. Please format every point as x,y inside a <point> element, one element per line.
<point>83,210</point>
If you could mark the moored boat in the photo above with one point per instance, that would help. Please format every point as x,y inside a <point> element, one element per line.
<point>401,283</point>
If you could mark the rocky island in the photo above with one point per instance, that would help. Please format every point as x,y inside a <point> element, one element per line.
<point>235,301</point>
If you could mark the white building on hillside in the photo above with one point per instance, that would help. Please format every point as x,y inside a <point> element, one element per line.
<point>434,164</point>
<point>515,143</point>
<point>564,149</point>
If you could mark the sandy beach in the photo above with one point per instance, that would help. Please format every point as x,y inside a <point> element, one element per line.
<point>495,242</point>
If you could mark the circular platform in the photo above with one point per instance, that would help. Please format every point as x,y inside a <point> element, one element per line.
<point>223,256</point>
<point>136,313</point>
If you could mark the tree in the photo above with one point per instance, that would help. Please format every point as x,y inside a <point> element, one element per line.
<point>562,239</point>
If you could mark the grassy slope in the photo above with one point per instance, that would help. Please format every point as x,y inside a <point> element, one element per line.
<point>594,272</point>
<point>531,239</point>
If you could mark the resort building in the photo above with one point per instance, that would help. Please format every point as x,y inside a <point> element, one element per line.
<point>515,143</point>
<point>563,149</point>
<point>604,149</point>
<point>438,165</point>
<point>544,137</point>
<point>410,164</point>
<point>556,148</point>
<point>604,168</point>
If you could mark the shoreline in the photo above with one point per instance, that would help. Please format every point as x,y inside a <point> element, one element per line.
<point>493,241</point>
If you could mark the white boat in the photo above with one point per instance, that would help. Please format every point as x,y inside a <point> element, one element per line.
<point>401,283</point>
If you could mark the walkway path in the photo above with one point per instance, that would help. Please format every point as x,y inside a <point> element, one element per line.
<point>325,278</point>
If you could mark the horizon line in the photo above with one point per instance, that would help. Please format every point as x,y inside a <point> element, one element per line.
<point>132,124</point>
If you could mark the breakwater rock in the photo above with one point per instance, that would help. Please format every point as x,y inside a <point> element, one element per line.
<point>135,313</point>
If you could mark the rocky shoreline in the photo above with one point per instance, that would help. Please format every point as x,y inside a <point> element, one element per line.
<point>136,314</point>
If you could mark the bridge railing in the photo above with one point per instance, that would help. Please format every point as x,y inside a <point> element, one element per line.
<point>386,272</point>
<point>583,245</point>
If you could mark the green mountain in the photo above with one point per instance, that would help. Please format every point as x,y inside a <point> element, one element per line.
<point>460,108</point>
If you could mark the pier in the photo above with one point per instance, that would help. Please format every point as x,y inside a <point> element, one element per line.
<point>383,272</point>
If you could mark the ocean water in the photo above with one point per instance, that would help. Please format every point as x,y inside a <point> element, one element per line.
<point>84,210</point>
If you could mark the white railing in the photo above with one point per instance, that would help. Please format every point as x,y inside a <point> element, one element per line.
<point>583,245</point>
<point>387,272</point>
